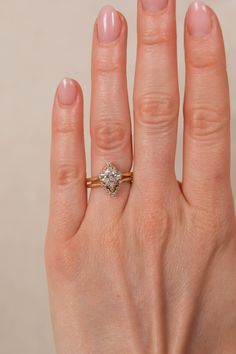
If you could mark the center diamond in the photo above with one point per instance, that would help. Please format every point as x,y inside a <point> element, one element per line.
<point>110,178</point>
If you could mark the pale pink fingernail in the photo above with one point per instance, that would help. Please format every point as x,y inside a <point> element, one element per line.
<point>109,24</point>
<point>199,19</point>
<point>154,5</point>
<point>67,91</point>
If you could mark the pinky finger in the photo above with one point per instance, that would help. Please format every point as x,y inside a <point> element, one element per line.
<point>68,191</point>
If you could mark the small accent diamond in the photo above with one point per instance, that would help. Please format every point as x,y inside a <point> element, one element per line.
<point>110,178</point>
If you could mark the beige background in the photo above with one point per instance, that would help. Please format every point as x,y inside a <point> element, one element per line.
<point>42,41</point>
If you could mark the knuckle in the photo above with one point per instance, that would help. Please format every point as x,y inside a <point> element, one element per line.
<point>102,69</point>
<point>153,34</point>
<point>66,259</point>
<point>203,62</point>
<point>109,135</point>
<point>218,174</point>
<point>107,64</point>
<point>206,122</point>
<point>206,55</point>
<point>212,230</point>
<point>153,226</point>
<point>66,123</point>
<point>150,38</point>
<point>156,110</point>
<point>67,173</point>
<point>110,240</point>
<point>61,261</point>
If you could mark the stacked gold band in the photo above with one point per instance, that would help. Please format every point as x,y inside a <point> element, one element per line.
<point>94,182</point>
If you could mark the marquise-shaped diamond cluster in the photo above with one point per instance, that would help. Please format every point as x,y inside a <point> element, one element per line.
<point>110,178</point>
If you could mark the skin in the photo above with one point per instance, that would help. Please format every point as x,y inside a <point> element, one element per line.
<point>152,270</point>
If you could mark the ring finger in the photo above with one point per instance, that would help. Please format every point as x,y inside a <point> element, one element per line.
<point>110,114</point>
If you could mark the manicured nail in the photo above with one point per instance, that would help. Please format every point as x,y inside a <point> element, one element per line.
<point>67,91</point>
<point>154,5</point>
<point>109,24</point>
<point>199,19</point>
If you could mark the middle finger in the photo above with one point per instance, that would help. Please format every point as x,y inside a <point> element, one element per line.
<point>156,96</point>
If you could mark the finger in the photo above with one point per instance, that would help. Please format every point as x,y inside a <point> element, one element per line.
<point>110,115</point>
<point>68,192</point>
<point>156,96</point>
<point>206,108</point>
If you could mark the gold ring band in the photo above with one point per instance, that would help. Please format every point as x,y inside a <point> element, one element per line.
<point>94,182</point>
<point>109,179</point>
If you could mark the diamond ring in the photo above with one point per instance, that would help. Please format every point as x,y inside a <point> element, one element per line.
<point>109,179</point>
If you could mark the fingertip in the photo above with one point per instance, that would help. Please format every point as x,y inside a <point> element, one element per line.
<point>67,109</point>
<point>201,21</point>
<point>68,91</point>
<point>110,27</point>
<point>68,104</point>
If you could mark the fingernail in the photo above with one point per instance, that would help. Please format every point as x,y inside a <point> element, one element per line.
<point>67,91</point>
<point>109,24</point>
<point>154,5</point>
<point>199,19</point>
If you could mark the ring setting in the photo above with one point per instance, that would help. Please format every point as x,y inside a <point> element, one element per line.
<point>110,179</point>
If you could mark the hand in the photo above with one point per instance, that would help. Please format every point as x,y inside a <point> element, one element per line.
<point>153,269</point>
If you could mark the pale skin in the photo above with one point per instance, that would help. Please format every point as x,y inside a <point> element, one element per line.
<point>152,270</point>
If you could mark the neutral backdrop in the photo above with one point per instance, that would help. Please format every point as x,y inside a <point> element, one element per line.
<point>40,43</point>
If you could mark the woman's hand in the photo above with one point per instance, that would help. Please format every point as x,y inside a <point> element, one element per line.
<point>152,270</point>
